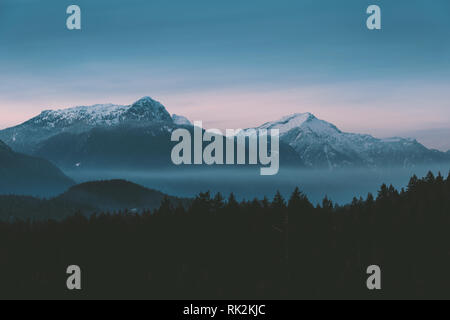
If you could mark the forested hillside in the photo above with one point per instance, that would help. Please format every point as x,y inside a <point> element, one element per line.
<point>224,249</point>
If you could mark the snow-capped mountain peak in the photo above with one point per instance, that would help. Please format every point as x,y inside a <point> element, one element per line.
<point>145,110</point>
<point>300,120</point>
<point>321,144</point>
<point>147,102</point>
<point>317,143</point>
<point>76,120</point>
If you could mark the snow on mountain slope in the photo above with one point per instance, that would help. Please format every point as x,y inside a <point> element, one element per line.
<point>317,143</point>
<point>145,109</point>
<point>49,123</point>
<point>96,115</point>
<point>321,144</point>
<point>297,120</point>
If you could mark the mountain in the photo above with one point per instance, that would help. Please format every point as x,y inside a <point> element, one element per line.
<point>86,198</point>
<point>322,144</point>
<point>106,136</point>
<point>23,174</point>
<point>137,137</point>
<point>27,136</point>
<point>109,148</point>
<point>109,137</point>
<point>116,195</point>
<point>123,149</point>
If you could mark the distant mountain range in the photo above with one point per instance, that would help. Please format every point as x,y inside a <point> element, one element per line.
<point>23,174</point>
<point>322,144</point>
<point>87,198</point>
<point>138,136</point>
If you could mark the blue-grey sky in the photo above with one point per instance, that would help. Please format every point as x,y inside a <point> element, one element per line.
<point>235,63</point>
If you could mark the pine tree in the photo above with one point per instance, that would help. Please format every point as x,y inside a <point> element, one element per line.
<point>218,202</point>
<point>165,206</point>
<point>232,203</point>
<point>383,193</point>
<point>430,177</point>
<point>327,204</point>
<point>295,198</point>
<point>265,202</point>
<point>439,179</point>
<point>370,199</point>
<point>392,191</point>
<point>278,201</point>
<point>413,182</point>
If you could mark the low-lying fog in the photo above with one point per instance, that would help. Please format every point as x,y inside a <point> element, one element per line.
<point>339,185</point>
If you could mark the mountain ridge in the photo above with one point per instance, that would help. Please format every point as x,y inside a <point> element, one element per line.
<point>24,174</point>
<point>316,142</point>
<point>87,198</point>
<point>116,194</point>
<point>320,143</point>
<point>49,123</point>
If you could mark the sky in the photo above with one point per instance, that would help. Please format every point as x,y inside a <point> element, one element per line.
<point>235,63</point>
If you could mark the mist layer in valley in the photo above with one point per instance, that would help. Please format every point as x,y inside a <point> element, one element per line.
<point>90,143</point>
<point>338,185</point>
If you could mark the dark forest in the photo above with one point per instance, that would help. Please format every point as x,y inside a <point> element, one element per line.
<point>218,248</point>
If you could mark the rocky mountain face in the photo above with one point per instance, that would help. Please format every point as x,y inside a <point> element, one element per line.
<point>322,144</point>
<point>138,136</point>
<point>110,137</point>
<point>27,137</point>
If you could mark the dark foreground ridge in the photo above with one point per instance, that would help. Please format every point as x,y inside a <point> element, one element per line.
<point>114,196</point>
<point>250,250</point>
<point>23,174</point>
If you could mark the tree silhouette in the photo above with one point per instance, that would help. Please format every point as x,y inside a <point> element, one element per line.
<point>256,249</point>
